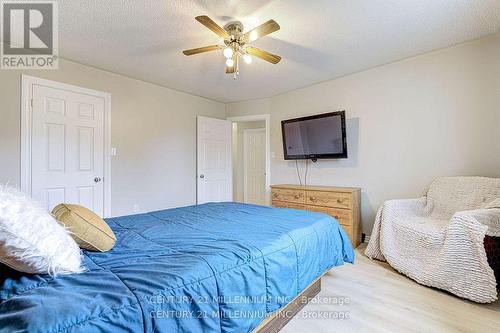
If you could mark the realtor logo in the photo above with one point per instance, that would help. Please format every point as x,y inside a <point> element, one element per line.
<point>29,35</point>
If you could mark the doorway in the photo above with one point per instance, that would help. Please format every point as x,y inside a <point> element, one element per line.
<point>251,162</point>
<point>254,165</point>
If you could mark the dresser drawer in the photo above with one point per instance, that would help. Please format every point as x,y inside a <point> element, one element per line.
<point>342,215</point>
<point>296,206</point>
<point>328,199</point>
<point>295,196</point>
<point>281,204</point>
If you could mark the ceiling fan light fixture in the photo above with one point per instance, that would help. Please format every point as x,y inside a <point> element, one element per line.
<point>228,52</point>
<point>236,43</point>
<point>247,58</point>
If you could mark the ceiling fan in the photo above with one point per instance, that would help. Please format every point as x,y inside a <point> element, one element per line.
<point>236,43</point>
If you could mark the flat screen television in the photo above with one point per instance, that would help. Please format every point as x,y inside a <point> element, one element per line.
<point>315,137</point>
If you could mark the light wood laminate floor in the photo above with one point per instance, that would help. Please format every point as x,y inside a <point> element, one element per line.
<point>382,300</point>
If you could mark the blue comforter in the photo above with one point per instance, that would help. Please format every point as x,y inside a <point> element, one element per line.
<point>219,267</point>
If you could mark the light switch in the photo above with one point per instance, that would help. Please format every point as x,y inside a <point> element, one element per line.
<point>273,154</point>
<point>113,151</point>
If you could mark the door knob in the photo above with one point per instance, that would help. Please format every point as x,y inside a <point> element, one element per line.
<point>97,179</point>
<point>202,176</point>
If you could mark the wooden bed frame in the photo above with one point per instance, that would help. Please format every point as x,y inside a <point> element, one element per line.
<point>276,321</point>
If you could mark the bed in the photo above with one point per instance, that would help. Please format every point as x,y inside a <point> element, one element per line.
<point>217,267</point>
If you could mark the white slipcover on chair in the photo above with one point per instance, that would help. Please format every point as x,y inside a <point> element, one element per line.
<point>437,240</point>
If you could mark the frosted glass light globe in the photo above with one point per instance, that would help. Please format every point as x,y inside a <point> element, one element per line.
<point>247,58</point>
<point>228,52</point>
<point>253,36</point>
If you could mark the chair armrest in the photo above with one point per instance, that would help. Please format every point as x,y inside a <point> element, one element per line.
<point>489,217</point>
<point>494,204</point>
<point>416,207</point>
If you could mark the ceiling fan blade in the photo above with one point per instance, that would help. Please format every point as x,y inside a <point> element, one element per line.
<point>202,49</point>
<point>264,55</point>
<point>262,30</point>
<point>210,24</point>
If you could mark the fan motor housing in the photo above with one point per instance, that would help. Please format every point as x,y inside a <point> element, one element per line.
<point>234,28</point>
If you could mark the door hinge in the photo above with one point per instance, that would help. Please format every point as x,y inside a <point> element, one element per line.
<point>31,102</point>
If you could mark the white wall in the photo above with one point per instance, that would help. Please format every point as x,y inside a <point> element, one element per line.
<point>408,122</point>
<point>153,128</point>
<point>433,115</point>
<point>238,168</point>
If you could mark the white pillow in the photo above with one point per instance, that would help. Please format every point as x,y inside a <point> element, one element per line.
<point>31,240</point>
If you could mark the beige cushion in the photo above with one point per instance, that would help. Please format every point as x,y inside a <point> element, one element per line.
<point>88,229</point>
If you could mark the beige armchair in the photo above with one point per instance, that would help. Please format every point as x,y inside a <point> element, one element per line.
<point>437,240</point>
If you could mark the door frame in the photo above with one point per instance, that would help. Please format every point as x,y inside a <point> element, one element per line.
<point>27,83</point>
<point>267,119</point>
<point>245,167</point>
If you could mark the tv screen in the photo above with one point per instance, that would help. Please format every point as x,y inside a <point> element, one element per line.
<point>314,137</point>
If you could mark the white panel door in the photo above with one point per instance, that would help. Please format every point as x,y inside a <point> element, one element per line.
<point>214,163</point>
<point>67,148</point>
<point>254,166</point>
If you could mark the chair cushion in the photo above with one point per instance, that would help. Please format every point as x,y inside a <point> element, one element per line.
<point>88,229</point>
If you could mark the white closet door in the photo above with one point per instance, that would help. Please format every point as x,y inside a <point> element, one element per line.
<point>67,148</point>
<point>254,165</point>
<point>214,163</point>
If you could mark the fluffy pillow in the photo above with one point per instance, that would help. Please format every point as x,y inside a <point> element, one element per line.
<point>87,228</point>
<point>31,240</point>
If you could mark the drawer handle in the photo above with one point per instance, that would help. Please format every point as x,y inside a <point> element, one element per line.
<point>297,196</point>
<point>312,198</point>
<point>339,201</point>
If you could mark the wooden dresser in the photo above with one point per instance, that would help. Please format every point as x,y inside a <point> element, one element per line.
<point>343,203</point>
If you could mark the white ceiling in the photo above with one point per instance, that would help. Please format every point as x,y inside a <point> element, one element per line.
<point>319,39</point>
